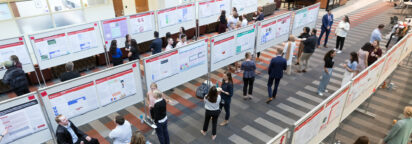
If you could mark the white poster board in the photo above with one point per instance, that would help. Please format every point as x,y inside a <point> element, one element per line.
<point>273,31</point>
<point>408,47</point>
<point>142,26</point>
<point>56,47</point>
<point>305,17</point>
<point>115,29</point>
<point>308,127</point>
<point>171,19</point>
<point>245,6</point>
<point>96,95</point>
<point>209,10</point>
<point>178,66</point>
<point>392,60</point>
<point>281,138</point>
<point>24,119</point>
<point>15,46</point>
<point>357,93</point>
<point>231,46</point>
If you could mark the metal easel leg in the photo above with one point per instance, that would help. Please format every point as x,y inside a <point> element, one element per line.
<point>365,110</point>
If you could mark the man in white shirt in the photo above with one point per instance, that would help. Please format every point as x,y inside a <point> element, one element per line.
<point>122,133</point>
<point>182,42</point>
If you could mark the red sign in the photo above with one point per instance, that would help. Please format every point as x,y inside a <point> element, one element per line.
<point>161,56</point>
<point>55,95</point>
<point>224,40</point>
<point>49,37</point>
<point>11,45</point>
<point>81,31</point>
<point>113,20</point>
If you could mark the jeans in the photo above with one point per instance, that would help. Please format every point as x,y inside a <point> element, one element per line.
<point>226,105</point>
<point>325,80</point>
<point>214,115</point>
<point>162,133</point>
<point>248,82</point>
<point>323,30</point>
<point>275,90</point>
<point>339,42</point>
<point>304,60</point>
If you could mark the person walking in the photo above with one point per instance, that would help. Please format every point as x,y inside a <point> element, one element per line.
<point>350,68</point>
<point>212,101</point>
<point>132,48</point>
<point>226,94</point>
<point>303,36</point>
<point>70,73</point>
<point>116,53</point>
<point>402,130</point>
<point>16,79</point>
<point>68,133</point>
<point>327,21</point>
<point>156,45</point>
<point>160,118</point>
<point>222,22</point>
<point>363,57</point>
<point>327,71</point>
<point>123,131</point>
<point>377,34</point>
<point>249,71</point>
<point>375,53</point>
<point>276,67</point>
<point>308,50</point>
<point>341,33</point>
<point>288,52</point>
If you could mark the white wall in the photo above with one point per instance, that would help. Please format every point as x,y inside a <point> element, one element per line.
<point>9,28</point>
<point>99,12</point>
<point>154,4</point>
<point>129,7</point>
<point>264,2</point>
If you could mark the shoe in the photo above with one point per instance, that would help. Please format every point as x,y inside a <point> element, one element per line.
<point>320,94</point>
<point>339,52</point>
<point>296,63</point>
<point>335,49</point>
<point>203,132</point>
<point>304,71</point>
<point>326,91</point>
<point>268,101</point>
<point>224,123</point>
<point>245,97</point>
<point>249,97</point>
<point>325,46</point>
<point>213,137</point>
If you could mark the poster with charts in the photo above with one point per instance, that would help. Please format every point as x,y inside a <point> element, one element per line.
<point>141,22</point>
<point>83,39</point>
<point>167,17</point>
<point>391,62</point>
<point>245,6</point>
<point>115,29</point>
<point>74,101</point>
<point>300,18</point>
<point>312,14</point>
<point>208,8</point>
<point>52,46</point>
<point>283,26</point>
<point>21,120</point>
<point>359,86</point>
<point>245,40</point>
<point>163,66</point>
<point>14,46</point>
<point>115,87</point>
<point>192,55</point>
<point>185,13</point>
<point>373,76</point>
<point>334,107</point>
<point>267,32</point>
<point>223,49</point>
<point>308,129</point>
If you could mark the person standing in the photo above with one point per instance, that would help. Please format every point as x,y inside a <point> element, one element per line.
<point>70,73</point>
<point>303,36</point>
<point>182,32</point>
<point>116,53</point>
<point>288,52</point>
<point>226,93</point>
<point>341,33</point>
<point>350,68</point>
<point>160,118</point>
<point>377,34</point>
<point>156,45</point>
<point>402,130</point>
<point>123,131</point>
<point>243,21</point>
<point>327,71</point>
<point>68,133</point>
<point>132,48</point>
<point>16,61</point>
<point>182,41</point>
<point>16,79</point>
<point>150,97</point>
<point>138,138</point>
<point>276,67</point>
<point>327,21</point>
<point>363,57</point>
<point>308,50</point>
<point>259,17</point>
<point>212,101</point>
<point>233,19</point>
<point>249,68</point>
<point>169,44</point>
<point>222,22</point>
<point>375,53</point>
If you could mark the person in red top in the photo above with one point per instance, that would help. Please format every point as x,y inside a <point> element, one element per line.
<point>375,53</point>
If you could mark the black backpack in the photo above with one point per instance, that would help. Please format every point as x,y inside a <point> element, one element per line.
<point>202,90</point>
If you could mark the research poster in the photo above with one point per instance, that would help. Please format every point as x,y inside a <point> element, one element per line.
<point>115,29</point>
<point>163,66</point>
<point>392,60</point>
<point>283,26</point>
<point>141,22</point>
<point>167,17</point>
<point>74,101</point>
<point>312,14</point>
<point>334,107</point>
<point>185,13</point>
<point>211,8</point>
<point>267,32</point>
<point>192,55</point>
<point>52,46</point>
<point>373,75</point>
<point>245,40</point>
<point>83,39</point>
<point>359,86</point>
<point>21,120</point>
<point>115,87</point>
<point>308,129</point>
<point>223,49</point>
<point>245,6</point>
<point>300,19</point>
<point>11,47</point>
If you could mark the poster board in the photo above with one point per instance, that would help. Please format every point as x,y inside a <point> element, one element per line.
<point>15,46</point>
<point>171,19</point>
<point>59,46</point>
<point>244,6</point>
<point>209,10</point>
<point>142,26</point>
<point>115,29</point>
<point>305,17</point>
<point>392,60</point>
<point>273,31</point>
<point>96,95</point>
<point>408,47</point>
<point>177,66</point>
<point>281,138</point>
<point>356,95</point>
<point>230,47</point>
<point>308,127</point>
<point>24,118</point>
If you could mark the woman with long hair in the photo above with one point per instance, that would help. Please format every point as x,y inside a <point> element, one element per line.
<point>138,138</point>
<point>16,61</point>
<point>212,101</point>
<point>327,71</point>
<point>132,48</point>
<point>363,54</point>
<point>222,22</point>
<point>375,53</point>
<point>288,52</point>
<point>350,68</point>
<point>116,53</point>
<point>341,33</point>
<point>303,36</point>
<point>226,93</point>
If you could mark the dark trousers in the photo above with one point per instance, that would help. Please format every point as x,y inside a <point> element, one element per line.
<point>248,82</point>
<point>214,115</point>
<point>323,30</point>
<point>162,133</point>
<point>21,91</point>
<point>117,61</point>
<point>339,42</point>
<point>258,54</point>
<point>226,105</point>
<point>389,41</point>
<point>92,141</point>
<point>275,90</point>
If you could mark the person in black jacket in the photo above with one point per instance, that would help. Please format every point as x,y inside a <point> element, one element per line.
<point>160,118</point>
<point>16,79</point>
<point>156,45</point>
<point>132,48</point>
<point>277,65</point>
<point>226,93</point>
<point>69,74</point>
<point>308,50</point>
<point>303,36</point>
<point>68,133</point>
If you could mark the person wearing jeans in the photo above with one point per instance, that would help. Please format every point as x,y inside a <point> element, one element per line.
<point>212,101</point>
<point>160,118</point>
<point>249,68</point>
<point>327,71</point>
<point>226,93</point>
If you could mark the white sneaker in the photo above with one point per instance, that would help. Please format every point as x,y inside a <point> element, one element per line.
<point>339,52</point>
<point>320,94</point>
<point>326,91</point>
<point>335,49</point>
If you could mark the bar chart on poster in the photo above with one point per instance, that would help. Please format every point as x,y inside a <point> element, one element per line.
<point>245,6</point>
<point>142,26</point>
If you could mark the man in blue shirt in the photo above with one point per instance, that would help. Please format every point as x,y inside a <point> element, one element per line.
<point>376,34</point>
<point>156,45</point>
<point>327,21</point>
<point>276,67</point>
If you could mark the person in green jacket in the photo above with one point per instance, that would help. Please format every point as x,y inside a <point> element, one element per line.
<point>402,130</point>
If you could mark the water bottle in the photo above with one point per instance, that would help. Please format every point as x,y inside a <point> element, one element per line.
<point>217,84</point>
<point>141,119</point>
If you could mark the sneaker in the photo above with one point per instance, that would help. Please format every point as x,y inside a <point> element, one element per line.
<point>326,91</point>
<point>268,101</point>
<point>335,49</point>
<point>320,94</point>
<point>339,51</point>
<point>304,71</point>
<point>203,132</point>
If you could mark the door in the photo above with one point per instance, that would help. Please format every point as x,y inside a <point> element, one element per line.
<point>118,8</point>
<point>141,6</point>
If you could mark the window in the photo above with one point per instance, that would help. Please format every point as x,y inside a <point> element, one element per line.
<point>69,18</point>
<point>60,5</point>
<point>29,8</point>
<point>88,3</point>
<point>4,11</point>
<point>33,24</point>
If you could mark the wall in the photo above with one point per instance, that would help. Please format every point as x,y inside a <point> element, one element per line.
<point>9,28</point>
<point>154,4</point>
<point>129,7</point>
<point>99,12</point>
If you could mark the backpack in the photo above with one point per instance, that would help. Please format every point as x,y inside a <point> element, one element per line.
<point>203,89</point>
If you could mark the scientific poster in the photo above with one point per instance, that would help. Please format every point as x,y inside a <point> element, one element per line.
<point>83,39</point>
<point>334,107</point>
<point>223,49</point>
<point>208,8</point>
<point>163,66</point>
<point>359,85</point>
<point>391,63</point>
<point>13,47</point>
<point>245,40</point>
<point>267,32</point>
<point>52,46</point>
<point>245,6</point>
<point>312,14</point>
<point>167,17</point>
<point>300,19</point>
<point>21,120</point>
<point>310,127</point>
<point>115,29</point>
<point>192,55</point>
<point>185,13</point>
<point>283,26</point>
<point>74,101</point>
<point>373,75</point>
<point>116,87</point>
<point>141,23</point>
